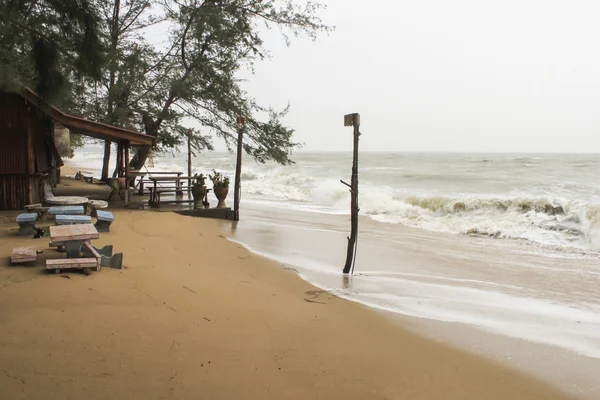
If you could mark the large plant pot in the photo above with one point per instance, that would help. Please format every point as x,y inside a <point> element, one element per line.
<point>221,194</point>
<point>199,192</point>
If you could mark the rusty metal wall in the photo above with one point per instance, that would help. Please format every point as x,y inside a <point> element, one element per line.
<point>22,157</point>
<point>13,192</point>
<point>13,152</point>
<point>13,134</point>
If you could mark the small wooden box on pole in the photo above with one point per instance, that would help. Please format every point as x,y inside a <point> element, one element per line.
<point>353,120</point>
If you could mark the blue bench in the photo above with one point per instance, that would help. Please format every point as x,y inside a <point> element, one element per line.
<point>73,219</point>
<point>66,210</point>
<point>26,223</point>
<point>105,218</point>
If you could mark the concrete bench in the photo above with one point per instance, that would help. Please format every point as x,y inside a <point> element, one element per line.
<point>73,219</point>
<point>26,224</point>
<point>66,210</point>
<point>105,218</point>
<point>71,263</point>
<point>23,255</point>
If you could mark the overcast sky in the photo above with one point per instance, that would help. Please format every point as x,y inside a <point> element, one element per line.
<point>439,75</point>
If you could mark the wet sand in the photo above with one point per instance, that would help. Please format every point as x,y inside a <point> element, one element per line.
<point>194,315</point>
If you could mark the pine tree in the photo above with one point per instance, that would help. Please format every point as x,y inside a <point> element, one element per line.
<point>49,44</point>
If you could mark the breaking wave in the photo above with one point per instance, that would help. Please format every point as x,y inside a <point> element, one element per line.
<point>540,219</point>
<point>544,219</point>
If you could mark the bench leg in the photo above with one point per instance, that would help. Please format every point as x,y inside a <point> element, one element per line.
<point>57,271</point>
<point>26,228</point>
<point>103,226</point>
<point>115,261</point>
<point>74,248</point>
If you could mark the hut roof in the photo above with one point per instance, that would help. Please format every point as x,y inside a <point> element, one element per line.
<point>86,127</point>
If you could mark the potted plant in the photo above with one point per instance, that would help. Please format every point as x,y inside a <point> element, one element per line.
<point>220,187</point>
<point>199,190</point>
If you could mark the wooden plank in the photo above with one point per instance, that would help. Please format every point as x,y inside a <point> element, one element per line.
<point>167,178</point>
<point>95,253</point>
<point>23,254</point>
<point>67,263</point>
<point>58,244</point>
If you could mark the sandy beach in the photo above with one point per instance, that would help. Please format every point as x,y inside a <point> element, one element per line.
<point>194,315</point>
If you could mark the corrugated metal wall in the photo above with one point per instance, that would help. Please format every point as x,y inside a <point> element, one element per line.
<point>21,157</point>
<point>13,152</point>
<point>13,192</point>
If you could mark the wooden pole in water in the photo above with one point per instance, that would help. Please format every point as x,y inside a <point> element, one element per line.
<point>189,135</point>
<point>241,122</point>
<point>353,120</point>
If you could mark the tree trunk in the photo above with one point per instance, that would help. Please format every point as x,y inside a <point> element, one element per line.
<point>350,256</point>
<point>105,161</point>
<point>140,157</point>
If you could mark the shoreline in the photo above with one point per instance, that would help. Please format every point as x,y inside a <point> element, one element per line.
<point>182,319</point>
<point>501,349</point>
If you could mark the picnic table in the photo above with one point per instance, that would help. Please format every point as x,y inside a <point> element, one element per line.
<point>178,188</point>
<point>150,175</point>
<point>72,237</point>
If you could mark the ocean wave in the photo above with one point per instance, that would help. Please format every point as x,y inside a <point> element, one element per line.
<point>541,219</point>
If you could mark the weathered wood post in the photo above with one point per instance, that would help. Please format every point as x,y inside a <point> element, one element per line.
<point>353,120</point>
<point>127,145</point>
<point>117,171</point>
<point>189,137</point>
<point>241,125</point>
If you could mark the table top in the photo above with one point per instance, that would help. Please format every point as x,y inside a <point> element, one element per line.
<point>168,178</point>
<point>98,203</point>
<point>164,173</point>
<point>67,200</point>
<point>64,233</point>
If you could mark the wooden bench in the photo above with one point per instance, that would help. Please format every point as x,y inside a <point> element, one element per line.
<point>105,218</point>
<point>72,263</point>
<point>23,255</point>
<point>155,195</point>
<point>73,219</point>
<point>26,223</point>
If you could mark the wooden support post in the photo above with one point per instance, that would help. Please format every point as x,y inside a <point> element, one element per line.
<point>189,135</point>
<point>122,173</point>
<point>241,121</point>
<point>126,148</point>
<point>105,160</point>
<point>117,170</point>
<point>353,120</point>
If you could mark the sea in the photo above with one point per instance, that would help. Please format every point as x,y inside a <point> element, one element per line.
<point>506,244</point>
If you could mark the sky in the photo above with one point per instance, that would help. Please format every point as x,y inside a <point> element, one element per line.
<point>439,75</point>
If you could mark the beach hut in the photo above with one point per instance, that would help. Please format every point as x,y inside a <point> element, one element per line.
<point>28,153</point>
